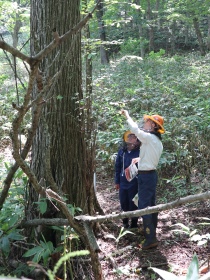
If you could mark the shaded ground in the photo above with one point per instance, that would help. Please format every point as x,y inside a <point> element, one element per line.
<point>125,260</point>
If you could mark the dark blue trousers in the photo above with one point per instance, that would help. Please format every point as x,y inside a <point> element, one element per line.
<point>147,184</point>
<point>126,196</point>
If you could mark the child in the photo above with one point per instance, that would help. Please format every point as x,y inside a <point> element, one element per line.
<point>127,190</point>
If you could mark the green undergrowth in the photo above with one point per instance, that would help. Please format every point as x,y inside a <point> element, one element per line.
<point>175,87</point>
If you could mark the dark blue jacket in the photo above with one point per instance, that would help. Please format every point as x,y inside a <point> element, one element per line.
<point>126,157</point>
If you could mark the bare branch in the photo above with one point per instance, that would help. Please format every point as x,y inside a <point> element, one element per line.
<point>15,52</point>
<point>44,222</point>
<point>137,213</point>
<point>149,210</point>
<point>32,61</point>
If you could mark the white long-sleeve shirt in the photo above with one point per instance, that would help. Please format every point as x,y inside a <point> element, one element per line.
<point>151,147</point>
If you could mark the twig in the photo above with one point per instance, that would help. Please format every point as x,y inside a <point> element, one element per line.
<point>153,265</point>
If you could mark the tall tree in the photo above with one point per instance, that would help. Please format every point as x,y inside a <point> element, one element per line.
<point>62,129</point>
<point>63,148</point>
<point>63,157</point>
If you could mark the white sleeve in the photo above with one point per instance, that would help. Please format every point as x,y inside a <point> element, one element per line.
<point>140,134</point>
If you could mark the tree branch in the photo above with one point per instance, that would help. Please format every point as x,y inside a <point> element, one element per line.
<point>15,52</point>
<point>149,210</point>
<point>32,61</point>
<point>137,213</point>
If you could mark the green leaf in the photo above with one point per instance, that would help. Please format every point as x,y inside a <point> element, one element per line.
<point>15,236</point>
<point>110,236</point>
<point>196,237</point>
<point>5,244</point>
<point>37,257</point>
<point>32,251</point>
<point>185,229</point>
<point>193,232</point>
<point>19,173</point>
<point>43,206</point>
<point>192,273</point>
<point>165,274</point>
<point>202,242</point>
<point>49,246</point>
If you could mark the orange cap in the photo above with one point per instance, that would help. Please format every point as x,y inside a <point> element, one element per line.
<point>126,134</point>
<point>158,120</point>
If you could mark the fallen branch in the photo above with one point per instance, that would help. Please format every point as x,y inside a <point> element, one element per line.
<point>137,213</point>
<point>149,210</point>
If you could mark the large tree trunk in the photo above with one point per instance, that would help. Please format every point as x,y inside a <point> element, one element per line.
<point>61,130</point>
<point>63,149</point>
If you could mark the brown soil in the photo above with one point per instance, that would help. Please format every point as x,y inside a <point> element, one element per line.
<point>126,260</point>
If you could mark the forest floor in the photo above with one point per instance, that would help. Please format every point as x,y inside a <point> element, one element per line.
<point>125,260</point>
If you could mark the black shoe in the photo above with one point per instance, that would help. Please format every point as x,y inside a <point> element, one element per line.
<point>134,223</point>
<point>125,225</point>
<point>133,226</point>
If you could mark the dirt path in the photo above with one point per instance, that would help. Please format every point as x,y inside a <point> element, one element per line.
<point>125,260</point>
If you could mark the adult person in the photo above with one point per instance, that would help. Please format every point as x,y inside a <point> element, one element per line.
<point>151,149</point>
<point>127,189</point>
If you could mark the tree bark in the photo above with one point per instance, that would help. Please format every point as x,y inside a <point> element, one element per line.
<point>140,30</point>
<point>173,37</point>
<point>102,33</point>
<point>63,149</point>
<point>151,28</point>
<point>208,36</point>
<point>61,129</point>
<point>199,36</point>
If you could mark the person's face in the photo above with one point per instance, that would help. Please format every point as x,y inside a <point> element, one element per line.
<point>131,142</point>
<point>132,138</point>
<point>149,125</point>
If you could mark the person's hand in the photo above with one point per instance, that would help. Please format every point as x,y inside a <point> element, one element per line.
<point>125,113</point>
<point>117,186</point>
<point>135,160</point>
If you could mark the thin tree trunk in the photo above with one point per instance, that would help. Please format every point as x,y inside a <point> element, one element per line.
<point>16,29</point>
<point>140,30</point>
<point>208,36</point>
<point>199,36</point>
<point>151,29</point>
<point>173,29</point>
<point>102,33</point>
